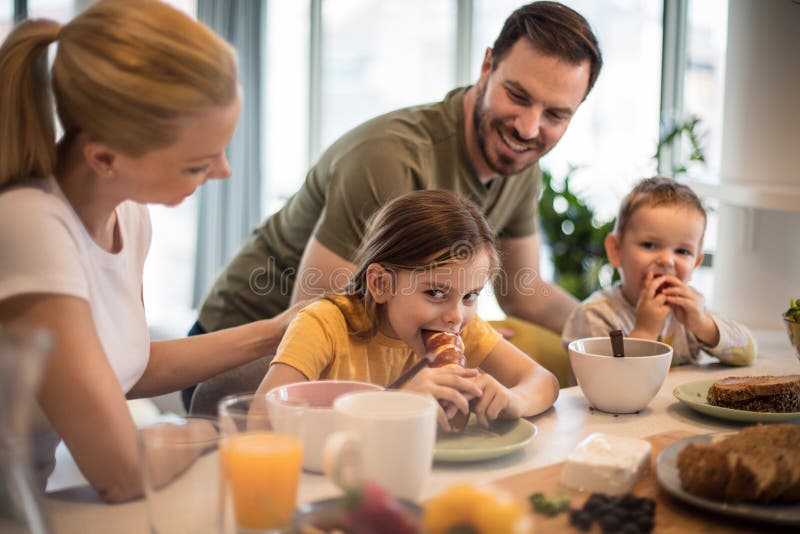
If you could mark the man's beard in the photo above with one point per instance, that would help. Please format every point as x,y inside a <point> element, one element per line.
<point>483,126</point>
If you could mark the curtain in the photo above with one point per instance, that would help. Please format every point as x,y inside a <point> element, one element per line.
<point>229,209</point>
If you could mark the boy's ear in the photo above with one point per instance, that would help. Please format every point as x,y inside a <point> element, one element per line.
<point>379,283</point>
<point>612,250</point>
<point>699,260</point>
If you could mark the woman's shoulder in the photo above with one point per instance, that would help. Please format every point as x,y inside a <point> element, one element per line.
<point>33,203</point>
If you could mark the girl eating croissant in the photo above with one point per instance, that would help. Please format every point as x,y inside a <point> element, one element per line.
<point>423,261</point>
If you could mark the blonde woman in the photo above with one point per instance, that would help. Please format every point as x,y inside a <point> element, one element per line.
<point>148,99</point>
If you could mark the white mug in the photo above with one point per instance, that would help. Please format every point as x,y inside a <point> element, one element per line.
<point>318,397</point>
<point>387,437</point>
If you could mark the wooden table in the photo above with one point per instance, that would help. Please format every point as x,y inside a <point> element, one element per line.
<point>78,510</point>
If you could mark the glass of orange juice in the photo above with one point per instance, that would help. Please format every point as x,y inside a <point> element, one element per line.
<point>261,456</point>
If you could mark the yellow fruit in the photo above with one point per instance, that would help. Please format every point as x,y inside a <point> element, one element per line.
<point>482,509</point>
<point>498,516</point>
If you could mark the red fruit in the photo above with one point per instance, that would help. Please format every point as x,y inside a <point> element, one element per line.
<point>372,510</point>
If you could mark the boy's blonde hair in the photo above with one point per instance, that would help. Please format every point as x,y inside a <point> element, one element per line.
<point>125,72</point>
<point>420,230</point>
<point>656,191</point>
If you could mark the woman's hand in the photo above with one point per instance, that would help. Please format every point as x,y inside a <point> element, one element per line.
<point>452,386</point>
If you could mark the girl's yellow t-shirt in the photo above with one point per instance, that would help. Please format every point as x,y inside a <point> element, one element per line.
<point>319,344</point>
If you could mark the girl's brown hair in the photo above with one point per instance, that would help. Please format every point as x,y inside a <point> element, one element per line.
<point>656,191</point>
<point>419,230</point>
<point>125,71</point>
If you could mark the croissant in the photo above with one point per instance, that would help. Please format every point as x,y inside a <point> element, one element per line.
<point>448,349</point>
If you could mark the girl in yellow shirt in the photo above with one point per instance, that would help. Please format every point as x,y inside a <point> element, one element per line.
<point>423,261</point>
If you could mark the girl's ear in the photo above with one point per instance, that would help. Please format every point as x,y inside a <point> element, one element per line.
<point>379,283</point>
<point>612,245</point>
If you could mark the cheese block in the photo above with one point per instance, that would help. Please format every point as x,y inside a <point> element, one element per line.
<point>604,463</point>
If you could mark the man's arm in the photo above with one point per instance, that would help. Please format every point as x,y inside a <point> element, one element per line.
<point>320,270</point>
<point>520,290</point>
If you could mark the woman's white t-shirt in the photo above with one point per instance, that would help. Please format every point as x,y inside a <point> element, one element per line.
<point>44,248</point>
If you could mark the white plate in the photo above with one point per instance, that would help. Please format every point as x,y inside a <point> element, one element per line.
<point>667,476</point>
<point>476,443</point>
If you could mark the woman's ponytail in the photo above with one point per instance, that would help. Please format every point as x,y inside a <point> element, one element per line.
<point>27,131</point>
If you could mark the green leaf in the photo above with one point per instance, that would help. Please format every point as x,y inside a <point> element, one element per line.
<point>550,507</point>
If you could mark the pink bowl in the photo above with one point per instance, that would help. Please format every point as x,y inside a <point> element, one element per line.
<point>318,396</point>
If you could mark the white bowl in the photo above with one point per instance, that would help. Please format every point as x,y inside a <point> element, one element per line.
<point>318,424</point>
<point>619,385</point>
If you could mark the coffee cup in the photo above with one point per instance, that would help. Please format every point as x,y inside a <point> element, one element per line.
<point>318,397</point>
<point>386,437</point>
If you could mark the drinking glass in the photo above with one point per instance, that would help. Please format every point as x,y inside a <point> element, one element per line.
<point>23,353</point>
<point>261,454</point>
<point>184,492</point>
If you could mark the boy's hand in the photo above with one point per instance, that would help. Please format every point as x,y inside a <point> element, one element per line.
<point>690,310</point>
<point>651,309</point>
<point>496,401</point>
<point>452,386</point>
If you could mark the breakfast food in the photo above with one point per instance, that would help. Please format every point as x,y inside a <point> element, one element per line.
<point>758,464</point>
<point>664,285</point>
<point>626,513</point>
<point>606,464</point>
<point>448,349</point>
<point>793,313</point>
<point>474,508</point>
<point>757,393</point>
<point>365,509</point>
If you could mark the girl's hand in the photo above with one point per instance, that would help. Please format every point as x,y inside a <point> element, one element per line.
<point>496,401</point>
<point>651,309</point>
<point>452,386</point>
<point>689,308</point>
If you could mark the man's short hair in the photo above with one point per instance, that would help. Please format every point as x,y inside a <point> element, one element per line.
<point>554,29</point>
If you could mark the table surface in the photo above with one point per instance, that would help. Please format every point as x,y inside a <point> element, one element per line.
<point>79,510</point>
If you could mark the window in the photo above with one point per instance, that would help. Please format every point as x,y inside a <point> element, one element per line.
<point>286,90</point>
<point>704,77</point>
<point>60,10</point>
<point>168,271</point>
<point>373,57</point>
<point>615,131</point>
<point>380,56</point>
<point>703,96</point>
<point>6,19</point>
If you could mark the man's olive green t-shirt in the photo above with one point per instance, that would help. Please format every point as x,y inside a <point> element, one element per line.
<point>415,148</point>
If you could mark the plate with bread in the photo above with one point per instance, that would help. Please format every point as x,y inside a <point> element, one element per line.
<point>475,443</point>
<point>753,473</point>
<point>746,399</point>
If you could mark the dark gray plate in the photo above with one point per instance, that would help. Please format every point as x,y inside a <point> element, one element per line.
<point>667,476</point>
<point>328,513</point>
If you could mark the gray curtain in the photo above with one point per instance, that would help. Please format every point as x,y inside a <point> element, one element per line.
<point>229,209</point>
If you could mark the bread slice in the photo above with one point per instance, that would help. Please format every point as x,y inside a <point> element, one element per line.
<point>757,393</point>
<point>758,464</point>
